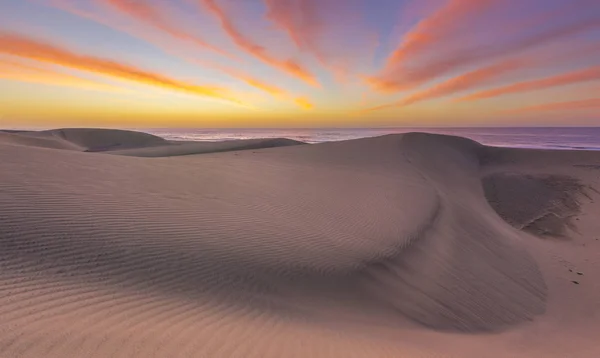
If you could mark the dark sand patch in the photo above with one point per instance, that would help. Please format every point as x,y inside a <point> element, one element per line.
<point>541,205</point>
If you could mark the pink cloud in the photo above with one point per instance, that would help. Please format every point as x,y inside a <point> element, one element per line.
<point>580,76</point>
<point>585,104</point>
<point>458,84</point>
<point>438,35</point>
<point>288,66</point>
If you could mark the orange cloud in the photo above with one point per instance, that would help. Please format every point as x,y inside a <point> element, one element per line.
<point>288,66</point>
<point>25,47</point>
<point>303,102</point>
<point>592,103</point>
<point>256,83</point>
<point>527,86</point>
<point>151,15</point>
<point>458,84</point>
<point>171,49</point>
<point>273,90</point>
<point>22,72</point>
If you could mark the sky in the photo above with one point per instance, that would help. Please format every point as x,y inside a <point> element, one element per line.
<point>299,63</point>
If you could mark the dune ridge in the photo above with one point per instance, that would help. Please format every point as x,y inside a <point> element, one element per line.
<point>378,247</point>
<point>130,143</point>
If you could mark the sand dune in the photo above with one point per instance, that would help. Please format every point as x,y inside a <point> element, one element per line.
<point>36,139</point>
<point>175,148</point>
<point>130,143</point>
<point>412,245</point>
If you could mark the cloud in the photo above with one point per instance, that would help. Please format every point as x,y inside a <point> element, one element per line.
<point>145,13</point>
<point>25,47</point>
<point>152,15</point>
<point>288,66</point>
<point>22,72</point>
<point>299,18</point>
<point>334,32</point>
<point>592,103</point>
<point>586,75</point>
<point>303,103</point>
<point>170,48</point>
<point>273,90</point>
<point>458,84</point>
<point>440,34</point>
<point>559,55</point>
<point>438,28</point>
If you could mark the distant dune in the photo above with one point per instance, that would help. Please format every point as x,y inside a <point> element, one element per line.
<point>414,245</point>
<point>129,143</point>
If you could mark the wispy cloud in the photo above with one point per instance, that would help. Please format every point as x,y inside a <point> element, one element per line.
<point>299,18</point>
<point>333,32</point>
<point>289,66</point>
<point>590,74</point>
<point>162,25</point>
<point>472,80</point>
<point>26,47</point>
<point>302,21</point>
<point>408,56</point>
<point>592,103</point>
<point>152,15</point>
<point>439,27</point>
<point>273,90</point>
<point>303,102</point>
<point>457,84</point>
<point>439,35</point>
<point>25,72</point>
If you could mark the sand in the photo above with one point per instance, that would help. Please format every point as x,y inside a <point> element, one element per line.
<point>123,244</point>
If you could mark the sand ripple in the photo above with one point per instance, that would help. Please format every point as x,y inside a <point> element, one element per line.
<point>298,251</point>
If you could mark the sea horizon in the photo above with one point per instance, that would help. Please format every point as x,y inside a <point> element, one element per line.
<point>580,138</point>
<point>552,137</point>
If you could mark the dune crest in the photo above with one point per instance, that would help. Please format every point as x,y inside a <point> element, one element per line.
<point>130,143</point>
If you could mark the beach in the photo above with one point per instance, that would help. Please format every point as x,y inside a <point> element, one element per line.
<point>124,244</point>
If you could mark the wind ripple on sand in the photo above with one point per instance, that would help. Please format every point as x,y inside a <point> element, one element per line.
<point>253,254</point>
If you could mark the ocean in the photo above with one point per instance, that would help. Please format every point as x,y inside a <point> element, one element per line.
<point>583,138</point>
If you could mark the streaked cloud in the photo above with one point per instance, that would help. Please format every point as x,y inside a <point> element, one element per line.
<point>299,18</point>
<point>586,75</point>
<point>458,84</point>
<point>330,31</point>
<point>26,47</point>
<point>273,90</point>
<point>26,72</point>
<point>432,32</point>
<point>443,43</point>
<point>437,28</point>
<point>303,102</point>
<point>289,66</point>
<point>152,15</point>
<point>585,104</point>
<point>396,58</point>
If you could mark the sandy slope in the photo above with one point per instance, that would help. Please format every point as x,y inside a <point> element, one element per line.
<point>381,247</point>
<point>129,143</point>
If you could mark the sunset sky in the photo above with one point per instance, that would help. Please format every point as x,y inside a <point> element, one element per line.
<point>299,63</point>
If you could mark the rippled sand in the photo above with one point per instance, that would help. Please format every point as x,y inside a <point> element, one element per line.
<point>122,244</point>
